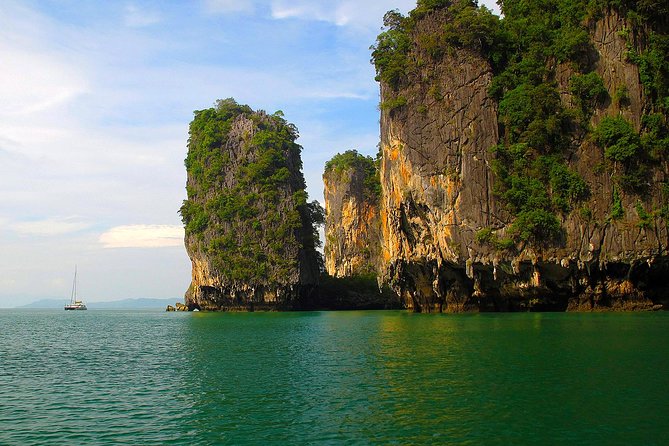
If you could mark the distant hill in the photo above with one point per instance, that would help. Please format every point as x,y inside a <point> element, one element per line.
<point>116,304</point>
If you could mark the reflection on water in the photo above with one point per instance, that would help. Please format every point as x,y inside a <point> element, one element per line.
<point>397,377</point>
<point>332,378</point>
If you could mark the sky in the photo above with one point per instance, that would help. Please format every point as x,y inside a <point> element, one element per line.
<point>95,102</point>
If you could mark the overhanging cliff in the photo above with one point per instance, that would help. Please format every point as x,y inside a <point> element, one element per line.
<point>523,168</point>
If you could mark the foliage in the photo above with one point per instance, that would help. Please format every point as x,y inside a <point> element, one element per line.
<point>663,211</point>
<point>567,187</point>
<point>656,136</point>
<point>316,214</point>
<point>425,6</point>
<point>653,68</point>
<point>536,226</point>
<point>588,91</point>
<point>541,33</point>
<point>194,217</point>
<point>618,138</point>
<point>538,134</point>
<point>585,213</point>
<point>534,187</point>
<point>645,218</point>
<point>533,114</point>
<point>484,235</point>
<point>625,148</point>
<point>468,27</point>
<point>390,52</point>
<point>649,50</point>
<point>393,103</point>
<point>250,216</point>
<point>339,286</point>
<point>622,97</point>
<point>532,175</point>
<point>653,11</point>
<point>351,159</point>
<point>472,27</point>
<point>487,236</point>
<point>617,209</point>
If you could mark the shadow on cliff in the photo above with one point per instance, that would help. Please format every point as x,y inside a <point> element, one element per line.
<point>360,292</point>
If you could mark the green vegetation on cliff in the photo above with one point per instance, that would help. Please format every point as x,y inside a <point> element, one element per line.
<point>622,146</point>
<point>247,205</point>
<point>352,194</point>
<point>468,27</point>
<point>351,159</point>
<point>539,132</point>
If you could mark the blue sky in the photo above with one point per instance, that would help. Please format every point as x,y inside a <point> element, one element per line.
<point>96,101</point>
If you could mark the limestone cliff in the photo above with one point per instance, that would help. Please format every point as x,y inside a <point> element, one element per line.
<point>249,231</point>
<point>353,235</point>
<point>461,166</point>
<point>352,227</point>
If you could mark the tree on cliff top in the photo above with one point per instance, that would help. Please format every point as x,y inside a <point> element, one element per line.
<point>468,26</point>
<point>539,131</point>
<point>351,159</point>
<point>247,205</point>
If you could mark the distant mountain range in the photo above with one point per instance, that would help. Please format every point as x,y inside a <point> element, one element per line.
<point>116,304</point>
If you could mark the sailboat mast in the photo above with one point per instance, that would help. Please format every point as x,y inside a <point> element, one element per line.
<point>74,286</point>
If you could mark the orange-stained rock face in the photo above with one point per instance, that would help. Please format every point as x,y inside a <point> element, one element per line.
<point>435,175</point>
<point>437,193</point>
<point>212,288</point>
<point>352,225</point>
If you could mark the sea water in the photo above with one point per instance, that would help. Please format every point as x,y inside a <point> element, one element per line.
<point>150,377</point>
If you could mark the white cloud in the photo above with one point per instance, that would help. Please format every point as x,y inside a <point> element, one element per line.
<point>309,10</point>
<point>143,236</point>
<point>354,13</point>
<point>32,81</point>
<point>50,227</point>
<point>94,118</point>
<point>35,77</point>
<point>341,13</point>
<point>228,6</point>
<point>138,18</point>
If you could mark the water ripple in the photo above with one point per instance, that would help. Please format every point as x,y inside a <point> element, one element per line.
<point>331,378</point>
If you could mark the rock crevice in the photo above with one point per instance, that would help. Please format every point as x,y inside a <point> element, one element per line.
<point>438,194</point>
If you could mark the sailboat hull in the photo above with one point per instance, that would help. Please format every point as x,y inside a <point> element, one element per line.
<point>75,304</point>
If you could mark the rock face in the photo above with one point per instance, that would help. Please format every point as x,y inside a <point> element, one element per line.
<point>352,225</point>
<point>353,236</point>
<point>249,232</point>
<point>436,180</point>
<point>438,193</point>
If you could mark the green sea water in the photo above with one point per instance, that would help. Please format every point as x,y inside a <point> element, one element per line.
<point>116,377</point>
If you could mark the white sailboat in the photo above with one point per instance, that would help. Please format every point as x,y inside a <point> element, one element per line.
<point>74,303</point>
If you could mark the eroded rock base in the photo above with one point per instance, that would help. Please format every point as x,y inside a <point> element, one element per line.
<point>524,286</point>
<point>207,298</point>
